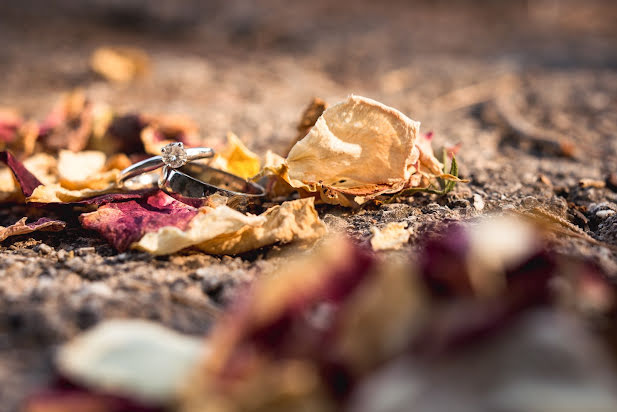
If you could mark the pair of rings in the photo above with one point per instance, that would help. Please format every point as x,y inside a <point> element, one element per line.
<point>191,182</point>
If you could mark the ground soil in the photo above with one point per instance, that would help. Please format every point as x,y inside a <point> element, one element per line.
<point>252,69</point>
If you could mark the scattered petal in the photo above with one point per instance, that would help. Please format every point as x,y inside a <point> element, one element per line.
<point>69,125</point>
<point>26,180</point>
<point>393,236</point>
<point>56,193</point>
<point>236,158</point>
<point>134,358</point>
<point>312,112</point>
<point>85,170</point>
<point>120,64</point>
<point>123,223</point>
<point>21,227</point>
<point>358,149</point>
<point>222,230</point>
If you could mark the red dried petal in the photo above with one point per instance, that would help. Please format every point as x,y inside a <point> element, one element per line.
<point>27,181</point>
<point>126,222</point>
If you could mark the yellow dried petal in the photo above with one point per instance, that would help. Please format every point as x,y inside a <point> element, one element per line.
<point>120,64</point>
<point>236,158</point>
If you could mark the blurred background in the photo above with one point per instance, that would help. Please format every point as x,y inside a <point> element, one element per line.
<point>251,67</point>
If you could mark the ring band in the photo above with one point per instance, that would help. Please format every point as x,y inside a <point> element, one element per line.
<point>194,182</point>
<point>173,155</point>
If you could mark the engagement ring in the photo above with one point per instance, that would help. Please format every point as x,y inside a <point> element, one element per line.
<point>192,183</point>
<point>172,155</point>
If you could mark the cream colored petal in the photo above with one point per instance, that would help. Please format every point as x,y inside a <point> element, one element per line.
<point>43,166</point>
<point>135,358</point>
<point>84,170</point>
<point>9,190</point>
<point>354,143</point>
<point>222,230</point>
<point>393,236</point>
<point>55,193</point>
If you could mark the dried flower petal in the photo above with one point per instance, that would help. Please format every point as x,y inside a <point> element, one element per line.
<point>393,236</point>
<point>10,121</point>
<point>236,158</point>
<point>275,334</point>
<point>55,193</point>
<point>21,227</point>
<point>120,64</point>
<point>137,359</point>
<point>357,149</point>
<point>222,230</point>
<point>27,181</point>
<point>69,125</point>
<point>85,170</point>
<point>41,165</point>
<point>123,223</point>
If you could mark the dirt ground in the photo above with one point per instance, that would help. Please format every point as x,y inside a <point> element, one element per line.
<point>252,69</point>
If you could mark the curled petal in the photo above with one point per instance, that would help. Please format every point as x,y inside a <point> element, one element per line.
<point>21,227</point>
<point>222,230</point>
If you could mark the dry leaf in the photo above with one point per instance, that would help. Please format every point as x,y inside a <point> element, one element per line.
<point>393,236</point>
<point>222,230</point>
<point>21,227</point>
<point>120,64</point>
<point>236,158</point>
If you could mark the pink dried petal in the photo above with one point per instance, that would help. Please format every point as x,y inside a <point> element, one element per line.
<point>27,181</point>
<point>21,227</point>
<point>123,223</point>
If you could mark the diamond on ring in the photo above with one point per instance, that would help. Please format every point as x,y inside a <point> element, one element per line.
<point>174,155</point>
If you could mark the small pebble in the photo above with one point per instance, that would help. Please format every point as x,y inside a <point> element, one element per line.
<point>603,214</point>
<point>43,249</point>
<point>84,251</point>
<point>478,202</point>
<point>62,255</point>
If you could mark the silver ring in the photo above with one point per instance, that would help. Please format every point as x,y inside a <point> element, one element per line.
<point>173,155</point>
<point>194,182</point>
